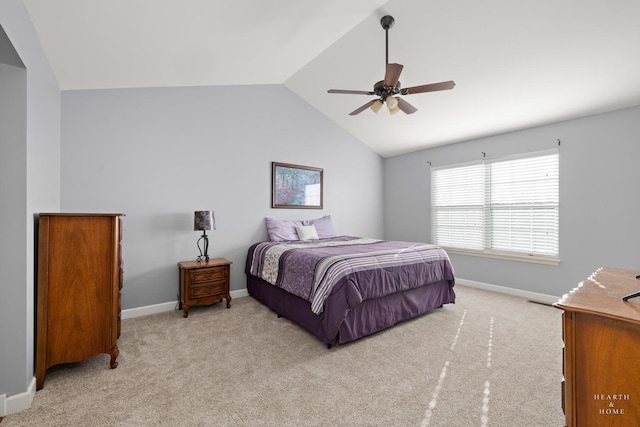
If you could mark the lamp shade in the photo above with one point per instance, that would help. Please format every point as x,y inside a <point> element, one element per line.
<point>376,106</point>
<point>204,220</point>
<point>392,103</point>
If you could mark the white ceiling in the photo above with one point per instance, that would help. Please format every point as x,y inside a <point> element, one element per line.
<point>516,64</point>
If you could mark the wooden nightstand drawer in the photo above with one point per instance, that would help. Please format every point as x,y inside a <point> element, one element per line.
<point>208,290</point>
<point>208,274</point>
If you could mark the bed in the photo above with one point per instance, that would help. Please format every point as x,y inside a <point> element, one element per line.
<point>341,288</point>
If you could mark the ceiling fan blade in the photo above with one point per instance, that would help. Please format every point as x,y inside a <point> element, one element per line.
<point>433,87</point>
<point>406,107</point>
<point>392,75</point>
<point>361,109</point>
<point>351,92</point>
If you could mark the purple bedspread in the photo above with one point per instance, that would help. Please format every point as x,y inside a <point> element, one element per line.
<point>361,269</point>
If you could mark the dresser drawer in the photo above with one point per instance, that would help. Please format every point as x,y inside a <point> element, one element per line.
<point>208,290</point>
<point>208,275</point>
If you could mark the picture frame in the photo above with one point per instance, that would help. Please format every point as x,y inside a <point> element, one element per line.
<point>296,186</point>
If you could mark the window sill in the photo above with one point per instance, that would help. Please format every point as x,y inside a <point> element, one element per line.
<point>535,259</point>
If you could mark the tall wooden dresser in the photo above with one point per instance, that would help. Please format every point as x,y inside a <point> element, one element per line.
<point>78,288</point>
<point>601,365</point>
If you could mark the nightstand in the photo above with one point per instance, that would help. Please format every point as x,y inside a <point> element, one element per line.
<point>203,282</point>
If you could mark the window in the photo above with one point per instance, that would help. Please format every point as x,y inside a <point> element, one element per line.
<point>503,207</point>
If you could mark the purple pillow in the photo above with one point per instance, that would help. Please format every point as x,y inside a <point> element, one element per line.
<point>324,226</point>
<point>280,230</point>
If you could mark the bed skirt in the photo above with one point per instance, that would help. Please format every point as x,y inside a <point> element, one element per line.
<point>338,324</point>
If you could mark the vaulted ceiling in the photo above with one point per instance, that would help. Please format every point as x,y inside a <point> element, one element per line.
<point>515,64</point>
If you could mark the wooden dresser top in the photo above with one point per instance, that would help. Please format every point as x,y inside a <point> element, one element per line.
<point>602,294</point>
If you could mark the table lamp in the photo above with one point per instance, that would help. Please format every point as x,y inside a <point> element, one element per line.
<point>204,220</point>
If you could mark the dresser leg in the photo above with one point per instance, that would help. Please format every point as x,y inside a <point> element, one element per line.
<point>185,307</point>
<point>228,302</point>
<point>115,352</point>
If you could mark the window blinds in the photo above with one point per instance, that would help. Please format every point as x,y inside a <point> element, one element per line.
<point>504,205</point>
<point>457,206</point>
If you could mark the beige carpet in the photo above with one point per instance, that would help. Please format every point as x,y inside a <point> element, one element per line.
<point>488,360</point>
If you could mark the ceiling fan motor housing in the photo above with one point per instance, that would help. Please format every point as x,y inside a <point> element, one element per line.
<point>384,91</point>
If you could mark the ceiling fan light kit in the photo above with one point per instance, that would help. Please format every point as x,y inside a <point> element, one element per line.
<point>392,104</point>
<point>376,106</point>
<point>387,89</point>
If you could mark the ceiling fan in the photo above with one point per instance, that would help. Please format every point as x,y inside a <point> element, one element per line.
<point>387,90</point>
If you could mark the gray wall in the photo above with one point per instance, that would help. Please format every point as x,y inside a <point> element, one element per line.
<point>13,191</point>
<point>158,154</point>
<point>30,171</point>
<point>599,199</point>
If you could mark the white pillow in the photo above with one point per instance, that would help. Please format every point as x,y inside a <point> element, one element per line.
<point>307,232</point>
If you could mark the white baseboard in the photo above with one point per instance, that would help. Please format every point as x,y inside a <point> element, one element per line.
<point>532,296</point>
<point>148,309</point>
<point>18,402</point>
<point>166,306</point>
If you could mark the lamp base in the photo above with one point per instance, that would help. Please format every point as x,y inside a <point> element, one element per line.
<point>204,256</point>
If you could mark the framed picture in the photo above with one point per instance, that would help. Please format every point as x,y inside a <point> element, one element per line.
<point>296,187</point>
